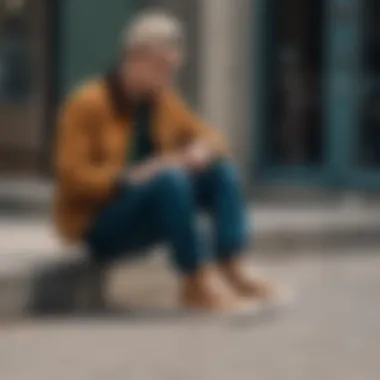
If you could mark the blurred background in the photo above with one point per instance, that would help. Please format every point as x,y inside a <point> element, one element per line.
<point>295,85</point>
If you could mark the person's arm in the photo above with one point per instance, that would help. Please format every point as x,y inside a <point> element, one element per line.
<point>78,173</point>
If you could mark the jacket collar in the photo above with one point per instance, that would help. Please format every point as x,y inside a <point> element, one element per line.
<point>123,104</point>
<point>119,100</point>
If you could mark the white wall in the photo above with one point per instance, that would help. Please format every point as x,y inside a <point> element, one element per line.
<point>225,71</point>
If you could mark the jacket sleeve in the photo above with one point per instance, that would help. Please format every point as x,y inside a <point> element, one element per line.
<point>194,128</point>
<point>78,173</point>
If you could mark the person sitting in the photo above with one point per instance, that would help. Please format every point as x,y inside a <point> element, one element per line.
<point>135,166</point>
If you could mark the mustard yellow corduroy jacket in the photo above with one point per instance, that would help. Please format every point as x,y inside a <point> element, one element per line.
<point>92,145</point>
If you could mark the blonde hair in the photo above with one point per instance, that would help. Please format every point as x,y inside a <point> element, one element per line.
<point>153,28</point>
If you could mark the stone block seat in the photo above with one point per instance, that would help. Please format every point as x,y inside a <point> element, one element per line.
<point>77,285</point>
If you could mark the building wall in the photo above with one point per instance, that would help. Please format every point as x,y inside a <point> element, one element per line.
<point>89,37</point>
<point>226,73</point>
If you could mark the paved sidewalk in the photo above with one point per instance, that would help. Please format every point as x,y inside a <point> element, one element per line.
<point>331,333</point>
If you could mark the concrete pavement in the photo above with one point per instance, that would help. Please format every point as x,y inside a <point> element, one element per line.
<point>331,333</point>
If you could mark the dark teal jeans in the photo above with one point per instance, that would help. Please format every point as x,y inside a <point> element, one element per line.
<point>165,210</point>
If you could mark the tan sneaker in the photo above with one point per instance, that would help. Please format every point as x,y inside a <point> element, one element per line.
<point>208,291</point>
<point>245,281</point>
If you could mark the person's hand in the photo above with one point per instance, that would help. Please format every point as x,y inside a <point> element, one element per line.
<point>197,156</point>
<point>146,170</point>
<point>143,172</point>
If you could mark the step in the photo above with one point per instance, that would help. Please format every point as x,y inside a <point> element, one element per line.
<point>25,196</point>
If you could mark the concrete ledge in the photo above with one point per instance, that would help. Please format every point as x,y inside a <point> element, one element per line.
<point>329,227</point>
<point>25,197</point>
<point>49,288</point>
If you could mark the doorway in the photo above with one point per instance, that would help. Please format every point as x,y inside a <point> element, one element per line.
<point>293,137</point>
<point>364,165</point>
<point>316,90</point>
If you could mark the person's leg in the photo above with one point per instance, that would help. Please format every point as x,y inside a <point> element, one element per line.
<point>123,227</point>
<point>140,216</point>
<point>164,210</point>
<point>219,193</point>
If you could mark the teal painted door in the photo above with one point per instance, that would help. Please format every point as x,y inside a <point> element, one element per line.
<point>89,35</point>
<point>318,86</point>
<point>362,169</point>
<point>343,84</point>
<point>292,139</point>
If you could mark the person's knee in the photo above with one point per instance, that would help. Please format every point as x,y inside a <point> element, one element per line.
<point>223,172</point>
<point>173,183</point>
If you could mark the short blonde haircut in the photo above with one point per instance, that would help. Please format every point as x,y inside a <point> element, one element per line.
<point>153,28</point>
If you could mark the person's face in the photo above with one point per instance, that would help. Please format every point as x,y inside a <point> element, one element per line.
<point>155,68</point>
